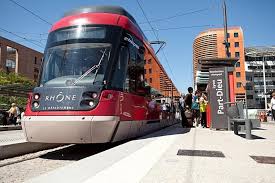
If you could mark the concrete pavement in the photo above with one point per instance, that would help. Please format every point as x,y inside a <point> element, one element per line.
<point>154,158</point>
<point>13,143</point>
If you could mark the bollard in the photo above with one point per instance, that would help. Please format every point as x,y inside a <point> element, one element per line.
<point>248,129</point>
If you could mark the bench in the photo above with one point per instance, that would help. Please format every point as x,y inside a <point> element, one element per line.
<point>234,110</point>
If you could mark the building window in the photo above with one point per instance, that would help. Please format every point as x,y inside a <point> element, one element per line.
<point>237,54</point>
<point>229,54</point>
<point>237,44</point>
<point>150,71</point>
<point>149,61</point>
<point>228,35</point>
<point>144,61</point>
<point>145,80</point>
<point>236,34</point>
<point>151,80</point>
<point>12,56</point>
<point>238,64</point>
<point>144,71</point>
<point>238,74</point>
<point>35,60</point>
<point>239,84</point>
<point>249,97</point>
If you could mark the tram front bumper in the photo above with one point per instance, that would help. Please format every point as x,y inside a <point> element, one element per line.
<point>69,129</point>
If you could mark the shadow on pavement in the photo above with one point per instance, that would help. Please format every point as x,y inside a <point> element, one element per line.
<point>79,151</point>
<point>259,129</point>
<point>253,136</point>
<point>172,130</point>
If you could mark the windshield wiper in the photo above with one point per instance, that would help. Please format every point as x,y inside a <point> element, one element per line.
<point>99,64</point>
<point>91,69</point>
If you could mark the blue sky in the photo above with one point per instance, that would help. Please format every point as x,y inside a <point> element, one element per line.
<point>255,17</point>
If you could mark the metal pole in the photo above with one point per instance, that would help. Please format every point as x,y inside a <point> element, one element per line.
<point>225,30</point>
<point>265,97</point>
<point>246,110</point>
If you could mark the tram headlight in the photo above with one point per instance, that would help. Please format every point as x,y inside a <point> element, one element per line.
<point>91,103</point>
<point>36,96</point>
<point>35,104</point>
<point>94,95</point>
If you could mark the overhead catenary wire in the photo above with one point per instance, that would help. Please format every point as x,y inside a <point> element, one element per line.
<point>182,27</point>
<point>26,39</point>
<point>153,30</point>
<point>31,12</point>
<point>176,15</point>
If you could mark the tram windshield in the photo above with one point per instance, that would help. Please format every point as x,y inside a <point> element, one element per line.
<point>72,57</point>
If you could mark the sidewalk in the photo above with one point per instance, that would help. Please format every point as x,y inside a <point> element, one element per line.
<point>11,137</point>
<point>154,158</point>
<point>237,166</point>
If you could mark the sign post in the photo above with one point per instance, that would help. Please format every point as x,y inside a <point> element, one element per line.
<point>219,94</point>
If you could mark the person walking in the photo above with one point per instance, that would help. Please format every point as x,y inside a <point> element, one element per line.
<point>203,104</point>
<point>272,106</point>
<point>196,108</point>
<point>13,114</point>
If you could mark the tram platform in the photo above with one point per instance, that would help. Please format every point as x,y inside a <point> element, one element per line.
<point>10,127</point>
<point>177,155</point>
<point>11,137</point>
<point>13,143</point>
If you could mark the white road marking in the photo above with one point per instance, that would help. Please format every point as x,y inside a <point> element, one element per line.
<point>135,166</point>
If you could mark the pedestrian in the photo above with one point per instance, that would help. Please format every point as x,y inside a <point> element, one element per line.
<point>196,108</point>
<point>203,104</point>
<point>12,114</point>
<point>272,106</point>
<point>164,109</point>
<point>188,104</point>
<point>173,110</point>
<point>184,121</point>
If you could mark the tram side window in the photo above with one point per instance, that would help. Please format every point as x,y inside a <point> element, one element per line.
<point>118,80</point>
<point>131,74</point>
<point>140,81</point>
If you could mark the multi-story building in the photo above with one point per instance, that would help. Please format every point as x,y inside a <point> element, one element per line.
<point>259,61</point>
<point>20,59</point>
<point>156,76</point>
<point>210,45</point>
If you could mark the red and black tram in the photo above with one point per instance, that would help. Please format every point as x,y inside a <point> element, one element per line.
<point>91,86</point>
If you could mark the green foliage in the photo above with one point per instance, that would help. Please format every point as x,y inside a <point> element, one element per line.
<point>6,101</point>
<point>12,78</point>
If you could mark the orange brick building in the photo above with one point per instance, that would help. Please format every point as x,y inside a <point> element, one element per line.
<point>156,76</point>
<point>209,44</point>
<point>20,59</point>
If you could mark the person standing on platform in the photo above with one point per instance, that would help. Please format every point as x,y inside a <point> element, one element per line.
<point>272,106</point>
<point>13,114</point>
<point>184,122</point>
<point>188,105</point>
<point>203,104</point>
<point>196,108</point>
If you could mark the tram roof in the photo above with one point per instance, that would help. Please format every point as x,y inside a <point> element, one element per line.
<point>101,9</point>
